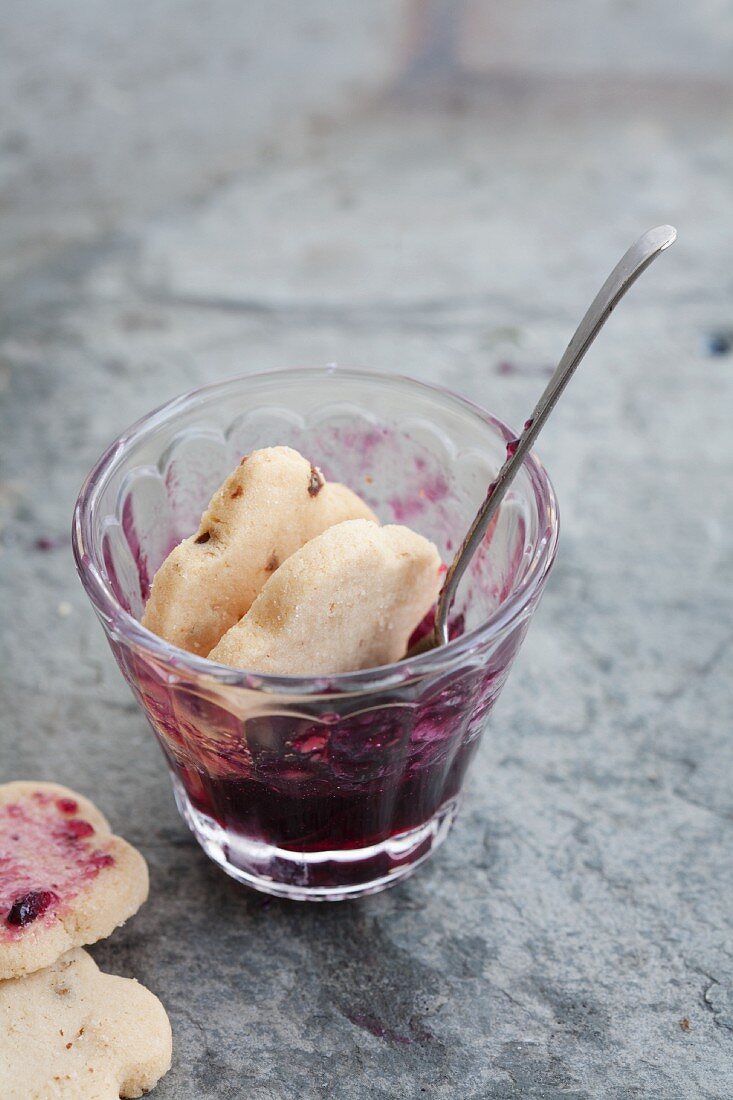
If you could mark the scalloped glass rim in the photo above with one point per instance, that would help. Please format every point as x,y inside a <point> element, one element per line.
<point>126,627</point>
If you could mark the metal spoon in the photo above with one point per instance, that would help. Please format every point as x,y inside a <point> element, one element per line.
<point>624,274</point>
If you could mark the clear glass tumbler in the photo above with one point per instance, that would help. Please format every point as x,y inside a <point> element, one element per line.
<point>330,787</point>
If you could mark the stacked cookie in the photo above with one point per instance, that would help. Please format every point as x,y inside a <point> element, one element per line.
<point>66,1028</point>
<point>273,503</point>
<point>292,575</point>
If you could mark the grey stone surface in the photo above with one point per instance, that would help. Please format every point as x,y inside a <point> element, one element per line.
<point>192,190</point>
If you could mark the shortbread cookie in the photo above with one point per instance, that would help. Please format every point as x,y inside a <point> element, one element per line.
<point>267,508</point>
<point>71,1032</point>
<point>349,599</point>
<point>65,880</point>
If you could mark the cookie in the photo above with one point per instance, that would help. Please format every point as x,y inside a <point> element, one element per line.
<point>272,504</point>
<point>349,599</point>
<point>65,880</point>
<point>71,1032</point>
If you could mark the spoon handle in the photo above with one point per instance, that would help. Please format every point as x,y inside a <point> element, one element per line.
<point>624,274</point>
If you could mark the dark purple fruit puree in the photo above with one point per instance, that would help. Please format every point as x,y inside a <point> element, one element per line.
<point>330,782</point>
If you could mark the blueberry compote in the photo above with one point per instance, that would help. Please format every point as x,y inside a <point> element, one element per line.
<point>329,782</point>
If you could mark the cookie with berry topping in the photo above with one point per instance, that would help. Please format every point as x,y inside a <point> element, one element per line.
<point>65,879</point>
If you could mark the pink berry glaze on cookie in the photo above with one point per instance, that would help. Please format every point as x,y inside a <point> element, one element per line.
<point>65,880</point>
<point>45,857</point>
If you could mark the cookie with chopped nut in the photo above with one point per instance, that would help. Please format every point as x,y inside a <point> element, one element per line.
<point>273,503</point>
<point>347,600</point>
<point>72,1032</point>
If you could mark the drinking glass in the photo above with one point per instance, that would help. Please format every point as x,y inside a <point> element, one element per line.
<point>328,787</point>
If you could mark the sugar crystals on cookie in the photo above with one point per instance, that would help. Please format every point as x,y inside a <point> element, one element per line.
<point>347,600</point>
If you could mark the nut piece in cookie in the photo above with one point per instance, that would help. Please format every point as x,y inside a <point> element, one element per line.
<point>272,504</point>
<point>349,599</point>
<point>65,879</point>
<point>71,1031</point>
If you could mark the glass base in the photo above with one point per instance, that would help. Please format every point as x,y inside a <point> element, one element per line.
<point>316,876</point>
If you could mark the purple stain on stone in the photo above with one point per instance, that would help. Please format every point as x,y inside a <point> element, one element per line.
<point>380,1031</point>
<point>507,368</point>
<point>44,543</point>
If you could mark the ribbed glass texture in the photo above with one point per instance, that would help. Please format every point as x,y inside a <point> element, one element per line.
<point>332,787</point>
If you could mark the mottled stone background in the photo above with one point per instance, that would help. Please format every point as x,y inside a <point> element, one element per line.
<point>193,189</point>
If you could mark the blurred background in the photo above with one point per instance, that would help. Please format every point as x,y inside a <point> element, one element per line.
<point>195,189</point>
